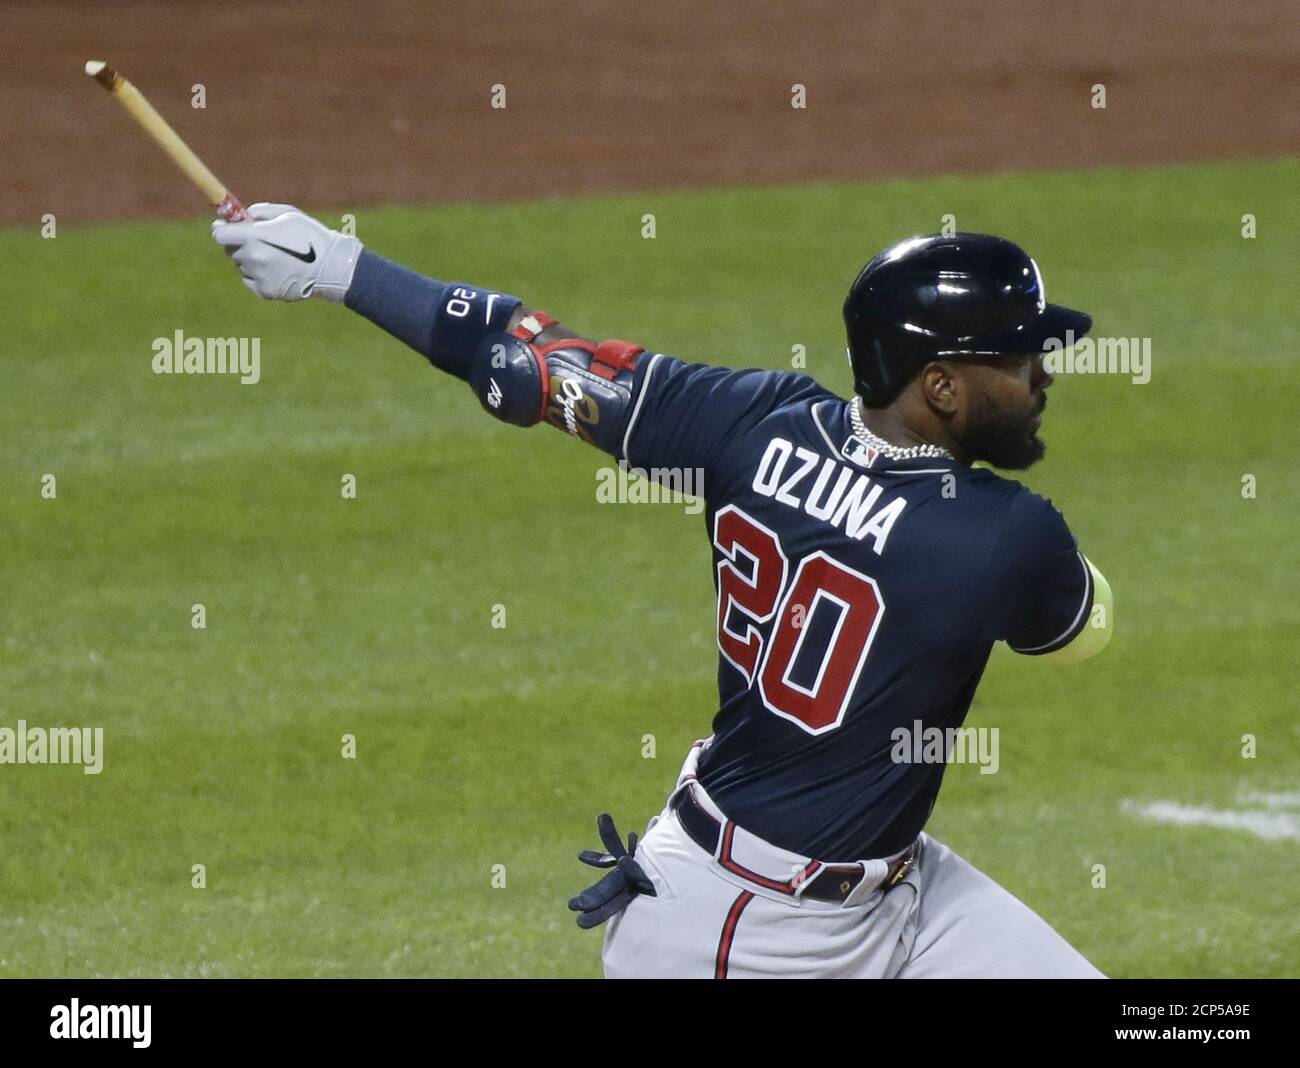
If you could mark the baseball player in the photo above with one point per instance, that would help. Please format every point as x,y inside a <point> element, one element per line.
<point>864,568</point>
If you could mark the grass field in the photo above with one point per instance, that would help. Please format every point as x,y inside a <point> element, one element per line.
<point>480,746</point>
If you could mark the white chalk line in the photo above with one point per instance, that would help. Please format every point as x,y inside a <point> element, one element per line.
<point>1267,823</point>
<point>1282,800</point>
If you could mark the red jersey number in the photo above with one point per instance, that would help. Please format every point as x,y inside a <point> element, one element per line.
<point>753,578</point>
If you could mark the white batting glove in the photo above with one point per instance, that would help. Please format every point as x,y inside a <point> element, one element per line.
<point>286,255</point>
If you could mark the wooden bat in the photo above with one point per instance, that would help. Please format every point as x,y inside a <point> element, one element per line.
<point>227,204</point>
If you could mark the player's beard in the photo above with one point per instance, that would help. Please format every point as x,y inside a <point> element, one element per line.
<point>1006,440</point>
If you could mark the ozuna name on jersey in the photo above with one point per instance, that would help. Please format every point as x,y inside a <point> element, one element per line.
<point>834,496</point>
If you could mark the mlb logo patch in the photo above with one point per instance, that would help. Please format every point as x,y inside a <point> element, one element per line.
<point>858,453</point>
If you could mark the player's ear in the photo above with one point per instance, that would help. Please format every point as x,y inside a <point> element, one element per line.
<point>941,387</point>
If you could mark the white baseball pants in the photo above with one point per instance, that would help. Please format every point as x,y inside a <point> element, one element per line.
<point>945,920</point>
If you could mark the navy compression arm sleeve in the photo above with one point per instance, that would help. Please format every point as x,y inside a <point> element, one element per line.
<point>443,321</point>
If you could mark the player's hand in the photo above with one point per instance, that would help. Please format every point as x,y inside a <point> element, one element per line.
<point>615,892</point>
<point>286,255</point>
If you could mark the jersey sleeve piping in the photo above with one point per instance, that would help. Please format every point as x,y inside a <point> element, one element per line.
<point>1076,625</point>
<point>822,430</point>
<point>640,400</point>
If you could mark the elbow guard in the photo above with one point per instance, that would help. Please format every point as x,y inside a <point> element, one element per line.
<point>576,385</point>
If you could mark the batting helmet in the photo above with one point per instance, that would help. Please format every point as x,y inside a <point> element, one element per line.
<point>935,297</point>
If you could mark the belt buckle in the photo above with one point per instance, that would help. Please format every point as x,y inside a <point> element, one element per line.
<point>906,862</point>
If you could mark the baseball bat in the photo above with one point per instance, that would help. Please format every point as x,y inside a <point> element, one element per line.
<point>227,204</point>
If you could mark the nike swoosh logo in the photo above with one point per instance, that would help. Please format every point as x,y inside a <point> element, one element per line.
<point>307,257</point>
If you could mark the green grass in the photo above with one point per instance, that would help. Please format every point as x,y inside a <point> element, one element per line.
<point>481,746</point>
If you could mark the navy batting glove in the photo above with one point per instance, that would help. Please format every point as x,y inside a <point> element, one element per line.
<point>615,892</point>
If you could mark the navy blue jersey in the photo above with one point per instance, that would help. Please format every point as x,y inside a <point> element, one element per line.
<point>856,595</point>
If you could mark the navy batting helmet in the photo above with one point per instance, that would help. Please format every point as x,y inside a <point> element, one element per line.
<point>936,297</point>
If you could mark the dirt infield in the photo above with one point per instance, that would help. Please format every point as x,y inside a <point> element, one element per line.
<point>349,104</point>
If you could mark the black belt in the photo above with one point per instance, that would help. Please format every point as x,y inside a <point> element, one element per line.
<point>825,882</point>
